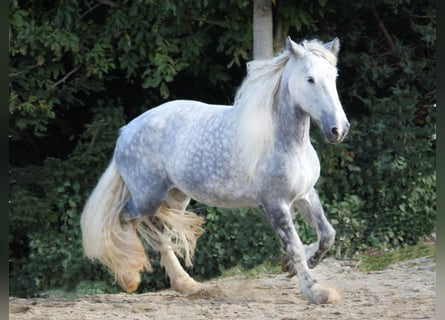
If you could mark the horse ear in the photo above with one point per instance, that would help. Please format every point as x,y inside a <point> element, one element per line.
<point>333,46</point>
<point>294,47</point>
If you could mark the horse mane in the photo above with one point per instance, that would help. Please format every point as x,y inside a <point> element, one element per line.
<point>253,105</point>
<point>316,47</point>
<point>254,101</point>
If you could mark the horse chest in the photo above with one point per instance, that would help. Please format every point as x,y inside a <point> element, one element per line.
<point>304,172</point>
<point>290,176</point>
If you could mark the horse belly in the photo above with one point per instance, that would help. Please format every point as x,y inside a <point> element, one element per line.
<point>211,176</point>
<point>227,195</point>
<point>211,181</point>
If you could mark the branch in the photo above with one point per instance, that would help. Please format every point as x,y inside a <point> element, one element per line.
<point>89,10</point>
<point>219,23</point>
<point>382,27</point>
<point>65,77</point>
<point>12,75</point>
<point>100,2</point>
<point>93,139</point>
<point>109,3</point>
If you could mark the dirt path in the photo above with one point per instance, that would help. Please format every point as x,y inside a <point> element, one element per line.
<point>405,290</point>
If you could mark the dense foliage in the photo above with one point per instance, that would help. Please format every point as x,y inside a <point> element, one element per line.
<point>81,69</point>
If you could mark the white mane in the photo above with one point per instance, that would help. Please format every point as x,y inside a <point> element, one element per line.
<point>254,102</point>
<point>253,107</point>
<point>316,47</point>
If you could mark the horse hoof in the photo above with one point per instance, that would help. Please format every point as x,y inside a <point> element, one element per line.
<point>312,263</point>
<point>287,266</point>
<point>130,281</point>
<point>187,287</point>
<point>322,295</point>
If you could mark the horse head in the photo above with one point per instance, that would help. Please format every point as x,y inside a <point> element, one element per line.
<point>312,85</point>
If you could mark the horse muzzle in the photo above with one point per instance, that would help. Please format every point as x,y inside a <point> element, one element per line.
<point>336,134</point>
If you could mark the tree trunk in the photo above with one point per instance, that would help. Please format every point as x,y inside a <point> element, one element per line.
<point>262,29</point>
<point>281,27</point>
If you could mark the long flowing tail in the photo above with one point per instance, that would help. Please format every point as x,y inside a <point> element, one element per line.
<point>117,244</point>
<point>173,229</point>
<point>105,238</point>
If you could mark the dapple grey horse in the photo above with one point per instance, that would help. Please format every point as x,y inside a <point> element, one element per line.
<point>254,153</point>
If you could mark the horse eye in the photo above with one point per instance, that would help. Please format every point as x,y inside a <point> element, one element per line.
<point>310,80</point>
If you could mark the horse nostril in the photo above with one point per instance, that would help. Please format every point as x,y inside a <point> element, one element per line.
<point>335,133</point>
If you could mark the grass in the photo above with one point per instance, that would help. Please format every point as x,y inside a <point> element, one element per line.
<point>255,272</point>
<point>374,260</point>
<point>379,260</point>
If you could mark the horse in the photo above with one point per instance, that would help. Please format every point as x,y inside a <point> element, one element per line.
<point>254,153</point>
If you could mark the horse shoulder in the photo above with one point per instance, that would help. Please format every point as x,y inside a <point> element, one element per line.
<point>289,175</point>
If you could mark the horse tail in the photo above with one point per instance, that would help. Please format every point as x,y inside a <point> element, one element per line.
<point>108,239</point>
<point>172,229</point>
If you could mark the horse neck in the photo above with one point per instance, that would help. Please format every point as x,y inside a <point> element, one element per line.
<point>292,122</point>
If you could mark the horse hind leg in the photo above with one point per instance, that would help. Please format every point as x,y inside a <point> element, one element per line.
<point>159,218</point>
<point>175,233</point>
<point>180,280</point>
<point>108,239</point>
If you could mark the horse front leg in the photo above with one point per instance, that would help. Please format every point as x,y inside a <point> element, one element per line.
<point>311,209</point>
<point>281,220</point>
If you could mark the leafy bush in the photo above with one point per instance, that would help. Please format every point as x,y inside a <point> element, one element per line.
<point>45,249</point>
<point>397,180</point>
<point>237,236</point>
<point>387,163</point>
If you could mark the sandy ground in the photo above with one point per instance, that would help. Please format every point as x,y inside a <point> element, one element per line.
<point>405,290</point>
